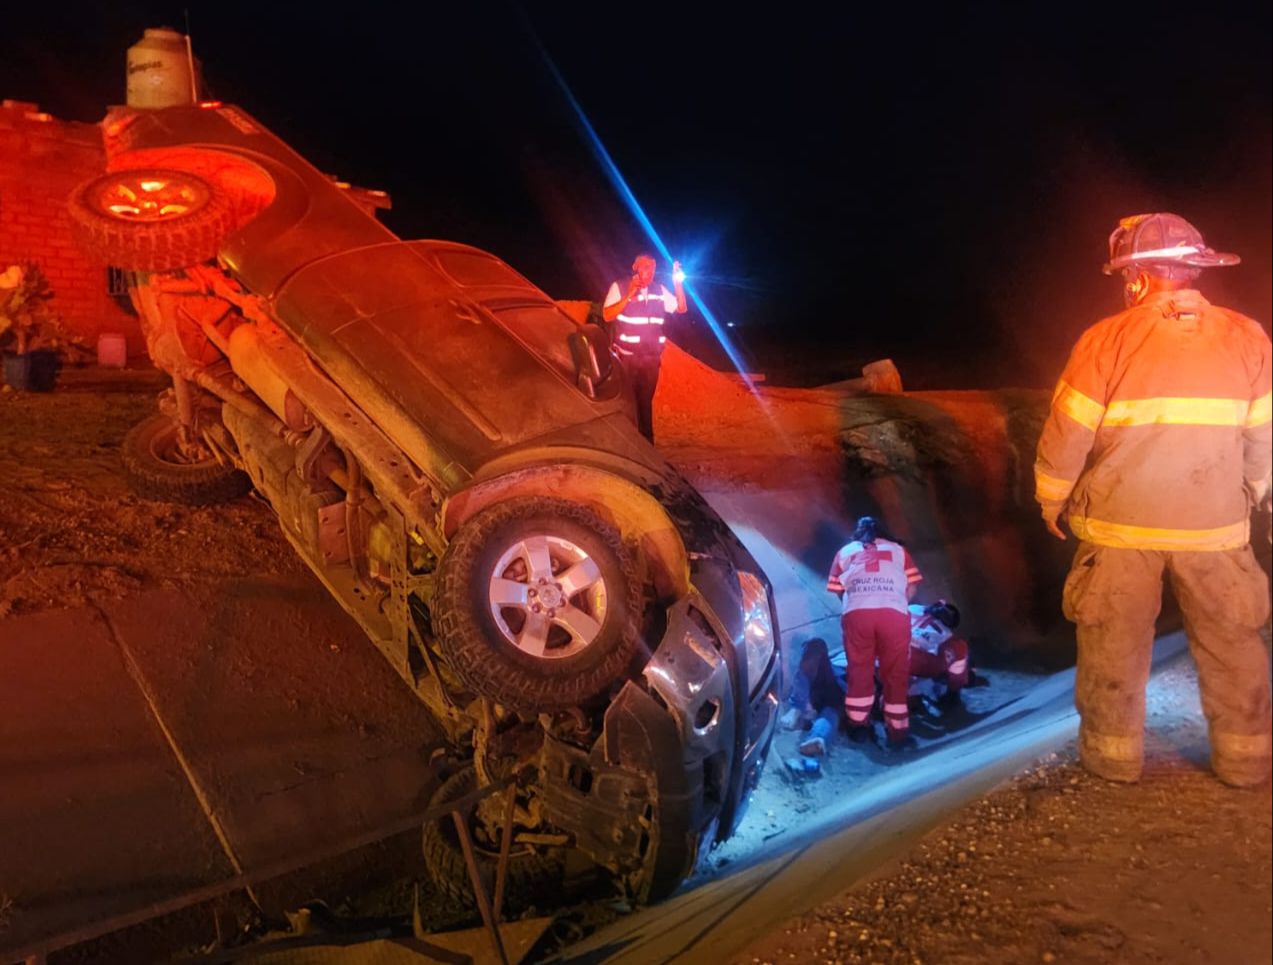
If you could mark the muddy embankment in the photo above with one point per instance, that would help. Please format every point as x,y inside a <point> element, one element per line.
<point>950,474</point>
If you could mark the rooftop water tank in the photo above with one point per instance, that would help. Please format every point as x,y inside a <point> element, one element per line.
<point>160,73</point>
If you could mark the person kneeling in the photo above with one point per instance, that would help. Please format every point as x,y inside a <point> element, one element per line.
<point>939,663</point>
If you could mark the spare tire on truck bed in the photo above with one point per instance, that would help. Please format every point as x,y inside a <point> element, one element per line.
<point>151,219</point>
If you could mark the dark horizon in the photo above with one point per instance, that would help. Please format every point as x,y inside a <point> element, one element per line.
<point>917,184</point>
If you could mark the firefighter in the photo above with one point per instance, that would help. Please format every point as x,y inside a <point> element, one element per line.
<point>1156,449</point>
<point>876,578</point>
<point>939,659</point>
<point>638,309</point>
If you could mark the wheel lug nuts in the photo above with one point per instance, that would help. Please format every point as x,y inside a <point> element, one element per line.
<point>552,613</point>
<point>533,591</point>
<point>537,608</point>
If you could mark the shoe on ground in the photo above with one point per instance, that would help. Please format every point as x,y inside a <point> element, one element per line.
<point>813,747</point>
<point>901,745</point>
<point>790,719</point>
<point>860,735</point>
<point>950,700</point>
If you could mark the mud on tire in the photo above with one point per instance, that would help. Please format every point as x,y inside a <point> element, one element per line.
<point>147,237</point>
<point>589,621</point>
<point>155,471</point>
<point>533,877</point>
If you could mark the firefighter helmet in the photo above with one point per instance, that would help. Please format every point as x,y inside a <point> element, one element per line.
<point>1164,240</point>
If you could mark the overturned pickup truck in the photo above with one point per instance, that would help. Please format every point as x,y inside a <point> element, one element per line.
<point>455,458</point>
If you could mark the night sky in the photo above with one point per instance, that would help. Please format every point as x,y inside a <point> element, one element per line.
<point>876,180</point>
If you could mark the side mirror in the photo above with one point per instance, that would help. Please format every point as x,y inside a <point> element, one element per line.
<point>584,356</point>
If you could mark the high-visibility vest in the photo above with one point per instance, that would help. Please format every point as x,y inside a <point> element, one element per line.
<point>1159,433</point>
<point>639,327</point>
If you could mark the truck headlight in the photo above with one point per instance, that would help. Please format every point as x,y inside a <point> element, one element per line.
<point>758,626</point>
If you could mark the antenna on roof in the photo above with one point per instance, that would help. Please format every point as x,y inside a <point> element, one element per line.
<point>194,86</point>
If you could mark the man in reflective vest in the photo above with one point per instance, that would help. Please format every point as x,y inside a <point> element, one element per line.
<point>1156,449</point>
<point>638,309</point>
<point>876,579</point>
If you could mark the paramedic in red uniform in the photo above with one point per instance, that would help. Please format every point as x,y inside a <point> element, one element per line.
<point>638,309</point>
<point>938,657</point>
<point>876,578</point>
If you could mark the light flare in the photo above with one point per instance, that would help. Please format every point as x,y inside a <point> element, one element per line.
<point>620,184</point>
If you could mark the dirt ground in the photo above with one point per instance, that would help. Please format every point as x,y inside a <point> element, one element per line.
<point>70,531</point>
<point>1060,866</point>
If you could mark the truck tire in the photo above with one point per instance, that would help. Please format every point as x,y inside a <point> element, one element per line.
<point>150,219</point>
<point>538,604</point>
<point>155,470</point>
<point>533,877</point>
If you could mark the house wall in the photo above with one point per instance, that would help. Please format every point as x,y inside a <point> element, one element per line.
<point>41,160</point>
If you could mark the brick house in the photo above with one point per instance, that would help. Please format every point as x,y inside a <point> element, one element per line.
<point>41,160</point>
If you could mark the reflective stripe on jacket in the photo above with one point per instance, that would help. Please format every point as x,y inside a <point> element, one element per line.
<point>1160,428</point>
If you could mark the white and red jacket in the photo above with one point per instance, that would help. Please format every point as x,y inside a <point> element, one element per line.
<point>873,576</point>
<point>927,633</point>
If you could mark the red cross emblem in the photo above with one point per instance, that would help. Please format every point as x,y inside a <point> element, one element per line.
<point>872,556</point>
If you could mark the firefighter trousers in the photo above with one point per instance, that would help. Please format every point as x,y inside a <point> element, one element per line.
<point>1114,595</point>
<point>950,663</point>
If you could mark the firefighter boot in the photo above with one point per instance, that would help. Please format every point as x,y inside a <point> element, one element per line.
<point>1241,760</point>
<point>1114,758</point>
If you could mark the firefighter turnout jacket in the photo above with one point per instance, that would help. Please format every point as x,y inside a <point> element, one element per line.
<point>1160,428</point>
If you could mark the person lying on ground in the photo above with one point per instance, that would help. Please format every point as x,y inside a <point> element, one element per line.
<point>816,698</point>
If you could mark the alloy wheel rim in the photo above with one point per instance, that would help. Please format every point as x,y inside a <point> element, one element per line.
<point>150,197</point>
<point>547,597</point>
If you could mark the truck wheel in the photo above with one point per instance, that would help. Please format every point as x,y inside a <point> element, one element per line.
<point>533,877</point>
<point>157,468</point>
<point>150,219</point>
<point>538,604</point>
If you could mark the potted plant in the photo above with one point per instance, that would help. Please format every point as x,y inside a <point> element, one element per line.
<point>31,333</point>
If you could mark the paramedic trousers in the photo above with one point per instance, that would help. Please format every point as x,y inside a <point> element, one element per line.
<point>1113,595</point>
<point>949,662</point>
<point>885,636</point>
